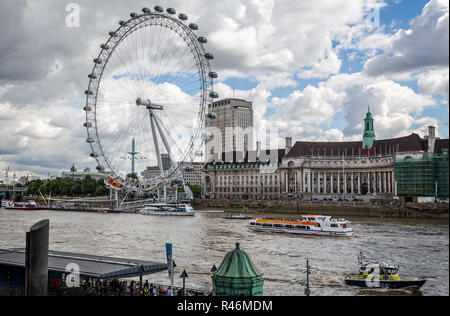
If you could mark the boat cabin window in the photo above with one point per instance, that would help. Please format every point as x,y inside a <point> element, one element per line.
<point>253,223</point>
<point>334,225</point>
<point>267,225</point>
<point>258,224</point>
<point>279,225</point>
<point>289,226</point>
<point>388,271</point>
<point>318,225</point>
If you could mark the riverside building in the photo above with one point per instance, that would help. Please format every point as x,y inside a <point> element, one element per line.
<point>336,171</point>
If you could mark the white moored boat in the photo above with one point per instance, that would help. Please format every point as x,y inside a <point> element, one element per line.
<point>168,210</point>
<point>306,225</point>
<point>25,206</point>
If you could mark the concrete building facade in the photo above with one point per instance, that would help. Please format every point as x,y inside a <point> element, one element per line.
<point>231,130</point>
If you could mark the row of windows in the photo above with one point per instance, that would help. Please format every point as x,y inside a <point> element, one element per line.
<point>299,227</point>
<point>267,183</point>
<point>248,178</point>
<point>247,190</point>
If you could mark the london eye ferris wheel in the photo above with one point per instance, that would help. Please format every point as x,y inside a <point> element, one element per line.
<point>150,86</point>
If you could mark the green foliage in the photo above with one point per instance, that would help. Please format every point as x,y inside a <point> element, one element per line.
<point>196,189</point>
<point>100,191</point>
<point>69,187</point>
<point>132,176</point>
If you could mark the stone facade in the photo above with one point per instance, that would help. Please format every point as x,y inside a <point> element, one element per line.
<point>312,170</point>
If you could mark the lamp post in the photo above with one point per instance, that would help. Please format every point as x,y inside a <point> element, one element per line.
<point>213,269</point>
<point>308,272</point>
<point>184,275</point>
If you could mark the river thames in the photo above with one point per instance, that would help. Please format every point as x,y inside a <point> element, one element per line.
<point>420,247</point>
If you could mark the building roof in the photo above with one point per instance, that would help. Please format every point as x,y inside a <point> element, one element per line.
<point>80,173</point>
<point>411,143</point>
<point>440,145</point>
<point>90,266</point>
<point>237,264</point>
<point>231,99</point>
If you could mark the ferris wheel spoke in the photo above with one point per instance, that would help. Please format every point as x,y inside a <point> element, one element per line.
<point>155,59</point>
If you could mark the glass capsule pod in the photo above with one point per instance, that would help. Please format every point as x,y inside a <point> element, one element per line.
<point>92,76</point>
<point>183,17</point>
<point>189,169</point>
<point>213,75</point>
<point>212,115</point>
<point>159,9</point>
<point>98,61</point>
<point>134,15</point>
<point>104,46</point>
<point>146,10</point>
<point>193,26</point>
<point>209,56</point>
<point>213,95</point>
<point>202,40</point>
<point>171,11</point>
<point>207,136</point>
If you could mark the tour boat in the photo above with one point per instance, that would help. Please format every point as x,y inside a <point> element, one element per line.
<point>168,210</point>
<point>6,203</point>
<point>381,275</point>
<point>306,225</point>
<point>26,206</point>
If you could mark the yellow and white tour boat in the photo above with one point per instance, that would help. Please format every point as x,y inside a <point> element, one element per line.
<point>306,225</point>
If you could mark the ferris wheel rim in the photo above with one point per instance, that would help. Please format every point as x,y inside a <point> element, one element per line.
<point>126,28</point>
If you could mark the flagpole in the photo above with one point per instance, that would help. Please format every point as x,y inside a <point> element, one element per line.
<point>171,277</point>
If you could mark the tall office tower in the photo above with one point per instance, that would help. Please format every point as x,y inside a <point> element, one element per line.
<point>166,161</point>
<point>231,130</point>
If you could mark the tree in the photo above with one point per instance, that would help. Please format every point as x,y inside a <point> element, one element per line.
<point>100,182</point>
<point>66,186</point>
<point>132,176</point>
<point>101,191</point>
<point>196,189</point>
<point>88,186</point>
<point>43,189</point>
<point>76,189</point>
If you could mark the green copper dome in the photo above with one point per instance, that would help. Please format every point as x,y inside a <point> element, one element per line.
<point>237,276</point>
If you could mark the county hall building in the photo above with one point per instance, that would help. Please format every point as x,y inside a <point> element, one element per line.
<point>335,171</point>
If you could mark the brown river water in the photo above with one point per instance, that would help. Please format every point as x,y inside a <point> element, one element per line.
<point>420,247</point>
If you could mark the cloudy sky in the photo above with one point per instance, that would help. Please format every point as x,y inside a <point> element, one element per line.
<point>312,68</point>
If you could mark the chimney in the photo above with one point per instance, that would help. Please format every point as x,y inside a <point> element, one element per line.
<point>431,139</point>
<point>288,145</point>
<point>258,150</point>
<point>431,132</point>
